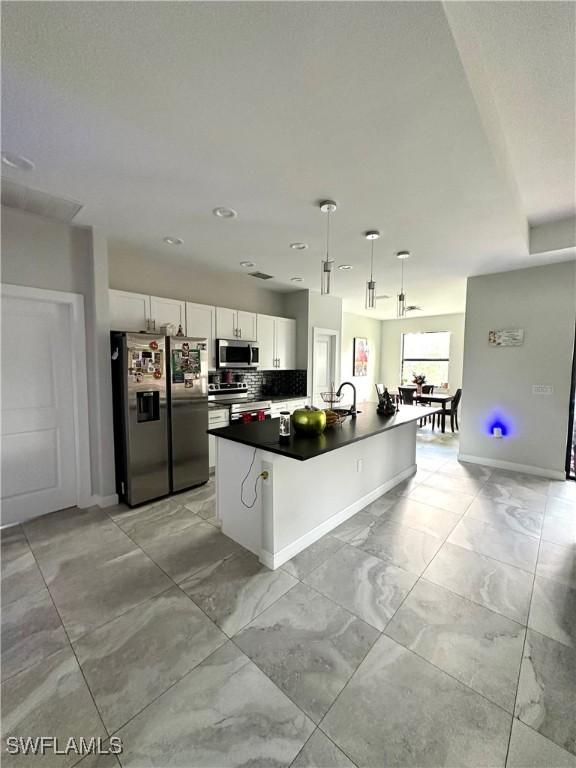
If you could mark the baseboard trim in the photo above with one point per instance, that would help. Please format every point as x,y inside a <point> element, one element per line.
<point>275,560</point>
<point>103,501</point>
<point>527,469</point>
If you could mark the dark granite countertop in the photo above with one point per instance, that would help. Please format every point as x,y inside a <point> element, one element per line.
<point>264,434</point>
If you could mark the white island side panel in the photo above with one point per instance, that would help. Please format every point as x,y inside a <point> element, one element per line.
<point>301,501</point>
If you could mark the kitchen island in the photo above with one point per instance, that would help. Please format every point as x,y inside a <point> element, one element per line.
<point>313,484</point>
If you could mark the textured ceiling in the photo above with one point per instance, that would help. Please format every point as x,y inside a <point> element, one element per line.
<point>152,114</point>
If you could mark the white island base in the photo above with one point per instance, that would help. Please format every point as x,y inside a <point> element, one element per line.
<point>301,501</point>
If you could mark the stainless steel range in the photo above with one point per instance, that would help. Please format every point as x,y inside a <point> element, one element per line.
<point>222,392</point>
<point>255,411</point>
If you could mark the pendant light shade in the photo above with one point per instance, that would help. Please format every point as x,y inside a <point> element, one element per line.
<point>326,277</point>
<point>371,284</point>
<point>401,304</point>
<point>327,207</point>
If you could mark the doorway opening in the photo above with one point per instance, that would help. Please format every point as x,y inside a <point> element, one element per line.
<point>571,447</point>
<point>325,363</point>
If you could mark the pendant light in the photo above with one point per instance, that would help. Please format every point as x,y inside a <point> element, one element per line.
<point>401,307</point>
<point>327,207</point>
<point>371,235</point>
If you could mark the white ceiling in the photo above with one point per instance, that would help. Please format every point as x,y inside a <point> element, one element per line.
<point>445,130</point>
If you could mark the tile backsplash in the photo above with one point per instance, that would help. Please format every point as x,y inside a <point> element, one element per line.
<point>273,383</point>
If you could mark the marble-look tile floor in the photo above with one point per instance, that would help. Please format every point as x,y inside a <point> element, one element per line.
<point>437,627</point>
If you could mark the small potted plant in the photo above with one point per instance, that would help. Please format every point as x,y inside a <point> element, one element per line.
<point>419,379</point>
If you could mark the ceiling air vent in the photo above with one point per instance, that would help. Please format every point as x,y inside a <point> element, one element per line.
<point>23,198</point>
<point>261,275</point>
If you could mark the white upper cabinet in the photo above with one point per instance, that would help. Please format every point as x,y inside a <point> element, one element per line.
<point>266,342</point>
<point>277,342</point>
<point>167,311</point>
<point>285,343</point>
<point>201,321</point>
<point>247,326</point>
<point>235,324</point>
<point>225,323</point>
<point>129,311</point>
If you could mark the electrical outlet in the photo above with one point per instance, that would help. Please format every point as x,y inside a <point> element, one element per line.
<point>359,465</point>
<point>542,389</point>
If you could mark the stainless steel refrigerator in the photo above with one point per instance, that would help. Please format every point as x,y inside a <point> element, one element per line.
<point>160,414</point>
<point>188,411</point>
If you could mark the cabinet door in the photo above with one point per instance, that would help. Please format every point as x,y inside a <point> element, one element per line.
<point>266,332</point>
<point>129,311</point>
<point>285,343</point>
<point>167,311</point>
<point>201,321</point>
<point>247,326</point>
<point>225,323</point>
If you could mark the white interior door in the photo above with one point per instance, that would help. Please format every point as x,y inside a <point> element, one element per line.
<point>323,365</point>
<point>38,430</point>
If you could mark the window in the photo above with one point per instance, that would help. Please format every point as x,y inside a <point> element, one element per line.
<point>427,353</point>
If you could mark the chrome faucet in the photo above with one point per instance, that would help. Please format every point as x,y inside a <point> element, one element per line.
<point>352,412</point>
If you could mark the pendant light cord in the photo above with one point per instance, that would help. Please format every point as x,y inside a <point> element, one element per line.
<point>328,236</point>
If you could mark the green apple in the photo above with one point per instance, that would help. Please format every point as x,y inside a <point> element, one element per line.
<point>309,422</point>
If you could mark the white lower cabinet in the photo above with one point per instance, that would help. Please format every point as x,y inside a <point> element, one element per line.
<point>216,419</point>
<point>287,405</point>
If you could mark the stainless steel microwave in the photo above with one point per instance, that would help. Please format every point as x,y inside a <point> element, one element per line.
<point>232,353</point>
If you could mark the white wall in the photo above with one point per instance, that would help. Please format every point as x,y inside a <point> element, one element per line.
<point>144,273</point>
<point>371,329</point>
<point>498,380</point>
<point>391,355</point>
<point>42,253</point>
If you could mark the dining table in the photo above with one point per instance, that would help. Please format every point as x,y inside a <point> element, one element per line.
<point>443,399</point>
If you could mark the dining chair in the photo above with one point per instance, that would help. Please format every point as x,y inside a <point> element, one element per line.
<point>427,389</point>
<point>453,410</point>
<point>406,395</point>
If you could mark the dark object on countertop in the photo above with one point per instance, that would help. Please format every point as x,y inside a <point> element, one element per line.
<point>386,406</point>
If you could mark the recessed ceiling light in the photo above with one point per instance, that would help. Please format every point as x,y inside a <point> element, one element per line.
<point>19,162</point>
<point>247,264</point>
<point>296,279</point>
<point>403,255</point>
<point>345,266</point>
<point>299,246</point>
<point>225,213</point>
<point>173,240</point>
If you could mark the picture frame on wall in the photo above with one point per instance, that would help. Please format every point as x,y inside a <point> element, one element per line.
<point>512,337</point>
<point>361,356</point>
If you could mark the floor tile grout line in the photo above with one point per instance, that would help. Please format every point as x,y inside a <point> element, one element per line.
<point>523,651</point>
<point>96,707</point>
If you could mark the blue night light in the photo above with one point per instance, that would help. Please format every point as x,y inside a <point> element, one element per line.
<point>498,425</point>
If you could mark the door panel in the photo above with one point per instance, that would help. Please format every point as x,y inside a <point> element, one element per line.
<point>266,332</point>
<point>286,343</point>
<point>201,321</point>
<point>129,311</point>
<point>323,366</point>
<point>167,311</point>
<point>225,323</point>
<point>246,322</point>
<point>38,434</point>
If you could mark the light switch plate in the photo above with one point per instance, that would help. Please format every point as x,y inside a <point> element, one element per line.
<point>542,389</point>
